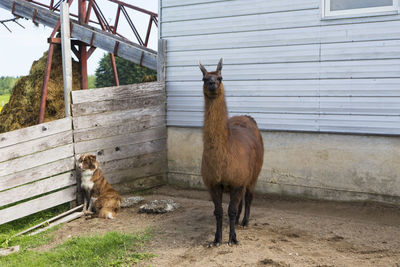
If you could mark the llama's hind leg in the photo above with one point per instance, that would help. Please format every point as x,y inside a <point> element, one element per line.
<point>216,195</point>
<point>248,198</point>
<point>239,211</point>
<point>235,197</point>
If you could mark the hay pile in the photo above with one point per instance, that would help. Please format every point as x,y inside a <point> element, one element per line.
<point>24,106</point>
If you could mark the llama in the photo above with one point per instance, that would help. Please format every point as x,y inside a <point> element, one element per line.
<point>233,154</point>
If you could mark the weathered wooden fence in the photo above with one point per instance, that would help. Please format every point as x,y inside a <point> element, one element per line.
<point>35,161</point>
<point>124,126</point>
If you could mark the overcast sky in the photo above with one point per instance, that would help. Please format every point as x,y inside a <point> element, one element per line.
<point>21,47</point>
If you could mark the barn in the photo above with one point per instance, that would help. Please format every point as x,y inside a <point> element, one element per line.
<point>321,78</point>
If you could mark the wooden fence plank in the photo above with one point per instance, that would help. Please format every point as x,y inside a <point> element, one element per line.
<point>36,145</point>
<point>37,188</point>
<point>116,118</point>
<point>128,127</point>
<point>120,92</point>
<point>37,159</point>
<point>36,173</point>
<point>153,168</point>
<point>141,183</point>
<point>89,108</point>
<point>36,205</point>
<point>33,132</point>
<point>133,162</point>
<point>129,150</point>
<point>120,140</point>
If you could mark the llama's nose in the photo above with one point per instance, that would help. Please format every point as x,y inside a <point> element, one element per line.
<point>212,86</point>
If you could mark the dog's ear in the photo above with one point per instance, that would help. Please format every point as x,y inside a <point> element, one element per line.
<point>92,157</point>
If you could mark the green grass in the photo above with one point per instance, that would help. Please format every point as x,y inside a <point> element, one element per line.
<point>8,230</point>
<point>111,249</point>
<point>91,81</point>
<point>5,99</point>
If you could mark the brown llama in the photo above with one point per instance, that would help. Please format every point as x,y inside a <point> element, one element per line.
<point>232,155</point>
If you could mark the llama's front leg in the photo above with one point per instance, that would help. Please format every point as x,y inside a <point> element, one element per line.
<point>235,198</point>
<point>216,195</point>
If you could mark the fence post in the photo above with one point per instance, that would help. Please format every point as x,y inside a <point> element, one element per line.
<point>67,71</point>
<point>66,56</point>
<point>161,58</point>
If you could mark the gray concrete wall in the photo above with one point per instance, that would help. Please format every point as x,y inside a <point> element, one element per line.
<point>312,165</point>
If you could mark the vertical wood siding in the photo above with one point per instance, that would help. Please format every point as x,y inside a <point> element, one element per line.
<point>283,65</point>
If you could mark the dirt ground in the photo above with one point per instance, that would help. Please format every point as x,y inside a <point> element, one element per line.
<point>282,232</point>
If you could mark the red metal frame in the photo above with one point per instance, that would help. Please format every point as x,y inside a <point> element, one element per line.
<point>83,54</point>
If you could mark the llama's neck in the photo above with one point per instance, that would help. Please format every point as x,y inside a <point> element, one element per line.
<point>215,131</point>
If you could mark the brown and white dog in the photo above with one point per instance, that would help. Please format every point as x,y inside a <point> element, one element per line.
<point>99,196</point>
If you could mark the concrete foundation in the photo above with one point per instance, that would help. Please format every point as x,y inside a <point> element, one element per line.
<point>321,166</point>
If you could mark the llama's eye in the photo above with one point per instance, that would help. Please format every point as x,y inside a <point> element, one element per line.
<point>204,79</point>
<point>219,78</point>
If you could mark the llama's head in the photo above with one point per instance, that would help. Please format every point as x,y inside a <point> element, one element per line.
<point>212,81</point>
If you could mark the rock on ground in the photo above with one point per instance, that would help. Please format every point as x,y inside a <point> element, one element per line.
<point>131,201</point>
<point>159,206</point>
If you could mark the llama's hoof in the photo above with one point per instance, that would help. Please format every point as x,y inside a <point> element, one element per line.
<point>233,242</point>
<point>214,244</point>
<point>87,213</point>
<point>245,223</point>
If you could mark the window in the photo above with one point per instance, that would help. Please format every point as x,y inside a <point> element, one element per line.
<point>358,8</point>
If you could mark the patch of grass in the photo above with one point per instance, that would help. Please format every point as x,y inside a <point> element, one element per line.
<point>4,100</point>
<point>91,81</point>
<point>8,230</point>
<point>111,249</point>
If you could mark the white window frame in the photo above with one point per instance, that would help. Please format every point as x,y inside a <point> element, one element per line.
<point>357,12</point>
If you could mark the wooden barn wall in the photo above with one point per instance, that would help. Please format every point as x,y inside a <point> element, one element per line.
<point>283,65</point>
<point>125,127</point>
<point>35,161</point>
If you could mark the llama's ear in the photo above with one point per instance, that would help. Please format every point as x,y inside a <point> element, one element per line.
<point>203,70</point>
<point>219,67</point>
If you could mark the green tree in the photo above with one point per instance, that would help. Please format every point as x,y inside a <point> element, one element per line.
<point>6,84</point>
<point>128,72</point>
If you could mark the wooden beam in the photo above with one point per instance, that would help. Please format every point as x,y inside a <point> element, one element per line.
<point>50,220</point>
<point>65,219</point>
<point>104,40</point>
<point>66,56</point>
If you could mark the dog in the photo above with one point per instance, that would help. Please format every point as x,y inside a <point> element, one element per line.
<point>99,197</point>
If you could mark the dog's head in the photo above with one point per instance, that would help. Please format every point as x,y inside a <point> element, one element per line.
<point>88,162</point>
